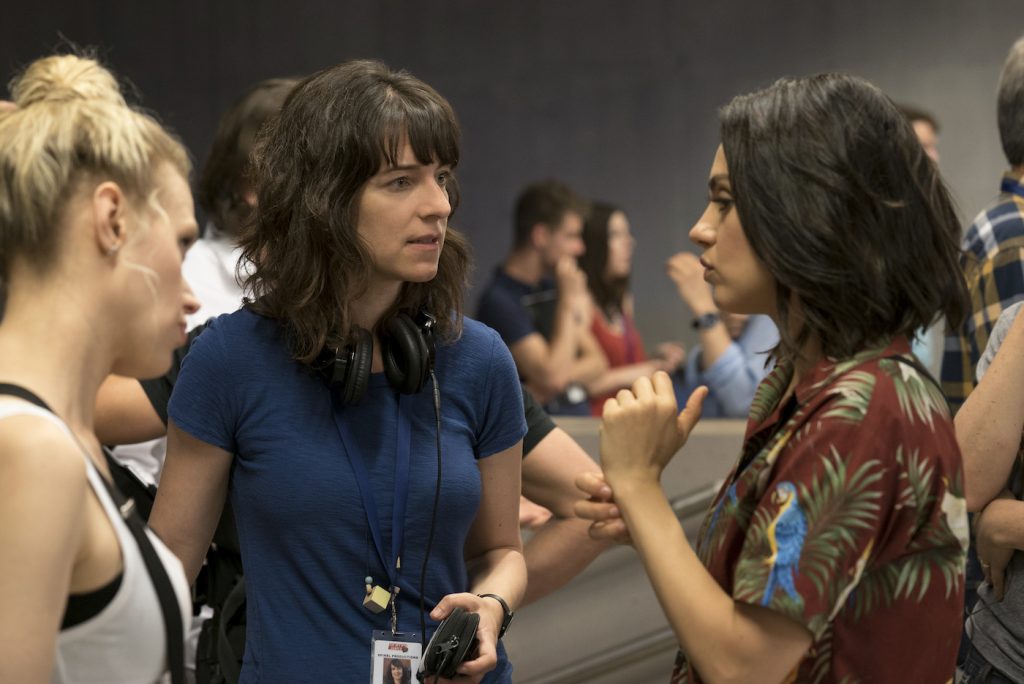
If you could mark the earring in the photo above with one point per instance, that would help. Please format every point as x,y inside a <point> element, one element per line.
<point>112,250</point>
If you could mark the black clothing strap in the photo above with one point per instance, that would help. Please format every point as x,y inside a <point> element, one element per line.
<point>919,367</point>
<point>173,624</point>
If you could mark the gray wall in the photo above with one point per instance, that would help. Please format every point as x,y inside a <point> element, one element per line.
<point>616,98</point>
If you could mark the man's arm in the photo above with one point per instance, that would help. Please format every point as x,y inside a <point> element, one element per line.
<point>562,548</point>
<point>591,362</point>
<point>999,532</point>
<point>548,366</point>
<point>572,355</point>
<point>989,424</point>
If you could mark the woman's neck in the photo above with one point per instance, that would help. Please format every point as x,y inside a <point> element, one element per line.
<point>371,307</point>
<point>367,312</point>
<point>63,355</point>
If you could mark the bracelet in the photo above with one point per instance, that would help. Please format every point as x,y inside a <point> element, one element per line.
<point>507,619</point>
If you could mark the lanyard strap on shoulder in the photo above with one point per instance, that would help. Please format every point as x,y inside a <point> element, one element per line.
<point>173,624</point>
<point>356,459</point>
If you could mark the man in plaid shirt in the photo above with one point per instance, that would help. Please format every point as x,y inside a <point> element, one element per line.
<point>993,245</point>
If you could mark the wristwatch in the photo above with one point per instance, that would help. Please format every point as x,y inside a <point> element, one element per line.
<point>706,321</point>
<point>507,620</point>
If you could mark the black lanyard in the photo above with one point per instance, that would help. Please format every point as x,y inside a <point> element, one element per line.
<point>173,625</point>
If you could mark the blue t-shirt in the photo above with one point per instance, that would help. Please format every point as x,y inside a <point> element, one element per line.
<point>305,542</point>
<point>517,309</point>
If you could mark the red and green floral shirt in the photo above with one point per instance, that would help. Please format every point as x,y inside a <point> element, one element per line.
<point>845,512</point>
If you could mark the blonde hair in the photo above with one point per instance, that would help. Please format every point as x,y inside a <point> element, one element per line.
<point>71,124</point>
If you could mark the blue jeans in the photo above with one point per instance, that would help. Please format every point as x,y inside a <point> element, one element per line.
<point>974,669</point>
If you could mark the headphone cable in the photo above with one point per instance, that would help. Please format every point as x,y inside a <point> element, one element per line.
<point>433,514</point>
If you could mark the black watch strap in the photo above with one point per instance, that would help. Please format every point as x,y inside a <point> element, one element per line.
<point>507,620</point>
<point>706,321</point>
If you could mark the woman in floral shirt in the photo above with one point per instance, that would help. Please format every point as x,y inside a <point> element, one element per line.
<point>835,550</point>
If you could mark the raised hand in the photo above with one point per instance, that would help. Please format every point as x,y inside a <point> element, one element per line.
<point>686,272</point>
<point>640,431</point>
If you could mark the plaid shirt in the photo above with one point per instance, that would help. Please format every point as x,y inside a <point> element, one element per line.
<point>993,263</point>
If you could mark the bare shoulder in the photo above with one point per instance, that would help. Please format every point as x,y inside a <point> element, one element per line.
<point>37,453</point>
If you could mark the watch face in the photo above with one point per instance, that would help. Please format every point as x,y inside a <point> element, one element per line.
<point>575,394</point>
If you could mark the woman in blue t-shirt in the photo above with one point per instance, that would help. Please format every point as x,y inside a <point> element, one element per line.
<point>368,435</point>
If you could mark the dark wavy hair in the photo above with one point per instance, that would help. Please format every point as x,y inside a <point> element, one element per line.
<point>307,264</point>
<point>403,663</point>
<point>848,214</point>
<point>227,167</point>
<point>608,293</point>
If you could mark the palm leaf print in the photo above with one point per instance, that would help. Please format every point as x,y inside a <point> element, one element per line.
<point>768,393</point>
<point>741,511</point>
<point>918,399</point>
<point>877,588</point>
<point>821,666</point>
<point>933,549</point>
<point>917,491</point>
<point>854,390</point>
<point>915,571</point>
<point>838,506</point>
<point>822,654</point>
<point>751,570</point>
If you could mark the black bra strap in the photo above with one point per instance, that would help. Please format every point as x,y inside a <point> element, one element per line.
<point>173,624</point>
<point>27,395</point>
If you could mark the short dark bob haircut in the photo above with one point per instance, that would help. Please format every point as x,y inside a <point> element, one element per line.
<point>335,131</point>
<point>839,201</point>
<point>608,293</point>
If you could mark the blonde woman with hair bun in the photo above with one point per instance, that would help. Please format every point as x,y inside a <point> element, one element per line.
<point>95,217</point>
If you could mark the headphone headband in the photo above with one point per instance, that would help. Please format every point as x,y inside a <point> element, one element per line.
<point>407,350</point>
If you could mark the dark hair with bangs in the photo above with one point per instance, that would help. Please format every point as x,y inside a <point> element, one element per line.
<point>335,131</point>
<point>848,214</point>
<point>608,293</point>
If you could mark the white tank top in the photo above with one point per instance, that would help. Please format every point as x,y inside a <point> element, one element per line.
<point>125,642</point>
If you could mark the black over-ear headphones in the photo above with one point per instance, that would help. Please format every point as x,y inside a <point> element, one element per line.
<point>407,348</point>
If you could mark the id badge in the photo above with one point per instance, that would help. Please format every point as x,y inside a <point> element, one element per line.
<point>395,658</point>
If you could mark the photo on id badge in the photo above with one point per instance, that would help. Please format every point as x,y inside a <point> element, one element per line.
<point>396,658</point>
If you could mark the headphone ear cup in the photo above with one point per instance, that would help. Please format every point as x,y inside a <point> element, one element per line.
<point>358,376</point>
<point>405,354</point>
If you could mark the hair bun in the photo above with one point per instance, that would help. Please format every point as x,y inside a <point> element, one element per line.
<point>63,78</point>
